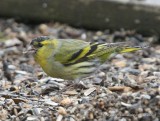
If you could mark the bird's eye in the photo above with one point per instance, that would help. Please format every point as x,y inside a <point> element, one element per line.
<point>36,44</point>
<point>39,45</point>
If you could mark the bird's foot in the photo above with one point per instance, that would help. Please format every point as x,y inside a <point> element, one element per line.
<point>71,86</point>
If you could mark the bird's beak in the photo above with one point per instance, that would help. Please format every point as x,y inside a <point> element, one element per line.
<point>30,50</point>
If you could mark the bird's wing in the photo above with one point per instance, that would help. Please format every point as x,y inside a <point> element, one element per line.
<point>74,51</point>
<point>69,48</point>
<point>104,50</point>
<point>84,51</point>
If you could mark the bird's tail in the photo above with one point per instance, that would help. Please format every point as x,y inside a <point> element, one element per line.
<point>124,47</point>
<point>130,49</point>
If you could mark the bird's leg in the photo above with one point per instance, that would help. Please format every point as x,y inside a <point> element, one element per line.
<point>77,83</point>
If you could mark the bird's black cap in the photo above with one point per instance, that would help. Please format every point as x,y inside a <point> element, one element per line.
<point>40,39</point>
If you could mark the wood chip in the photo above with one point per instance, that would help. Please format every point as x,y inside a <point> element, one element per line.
<point>126,104</point>
<point>71,93</point>
<point>32,118</point>
<point>18,100</point>
<point>120,88</point>
<point>89,91</point>
<point>49,102</point>
<point>130,105</point>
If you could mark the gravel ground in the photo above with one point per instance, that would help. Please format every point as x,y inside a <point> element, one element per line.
<point>127,87</point>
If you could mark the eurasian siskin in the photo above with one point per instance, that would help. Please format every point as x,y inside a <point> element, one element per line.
<point>74,59</point>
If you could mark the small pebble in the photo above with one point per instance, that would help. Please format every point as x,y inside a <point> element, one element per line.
<point>131,71</point>
<point>146,96</point>
<point>43,28</point>
<point>12,42</point>
<point>66,101</point>
<point>101,74</point>
<point>62,111</point>
<point>97,80</point>
<point>156,74</point>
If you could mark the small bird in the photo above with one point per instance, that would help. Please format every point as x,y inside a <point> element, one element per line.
<point>72,59</point>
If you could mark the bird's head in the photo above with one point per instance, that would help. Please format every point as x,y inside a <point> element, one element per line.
<point>40,42</point>
<point>43,46</point>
